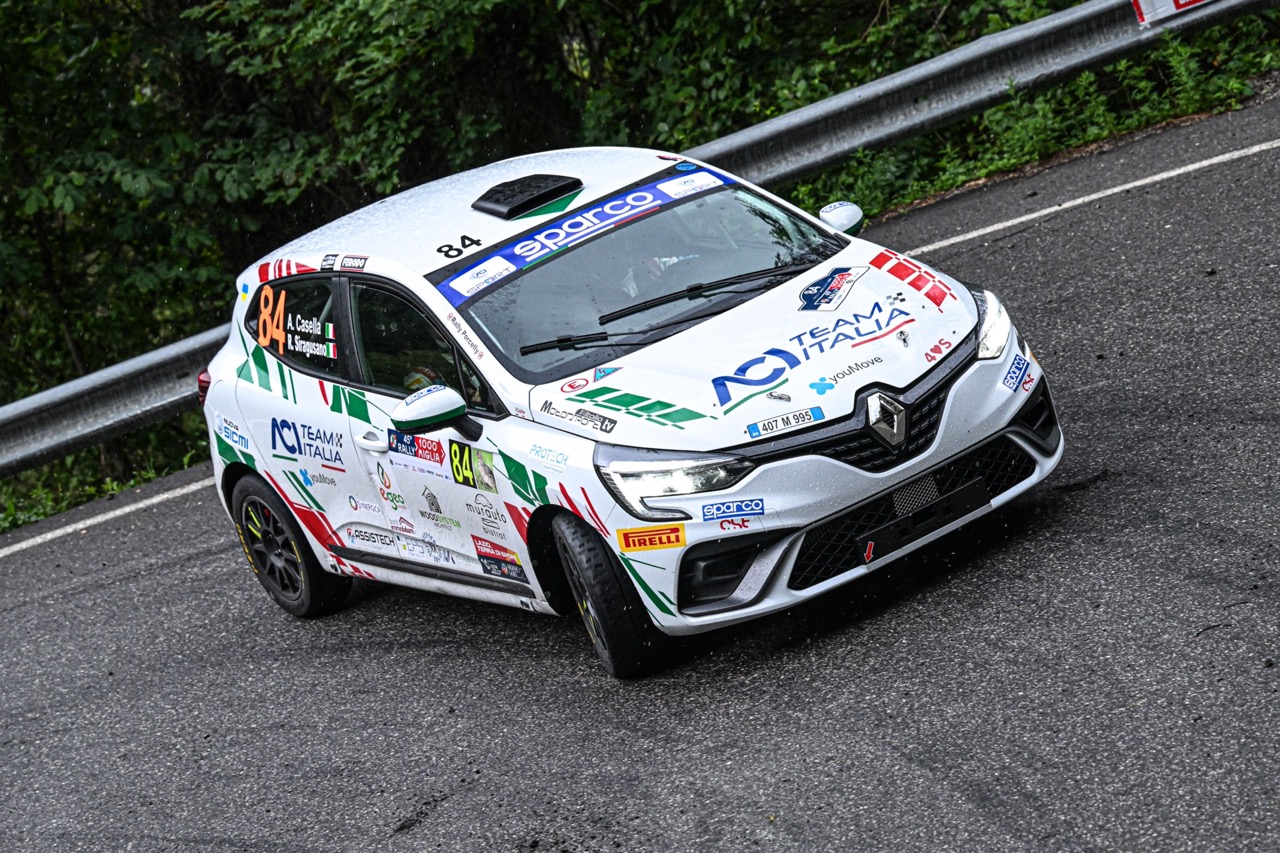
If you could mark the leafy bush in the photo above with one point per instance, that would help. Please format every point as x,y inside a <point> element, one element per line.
<point>152,151</point>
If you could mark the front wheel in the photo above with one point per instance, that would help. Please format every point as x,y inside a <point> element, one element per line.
<point>619,626</point>
<point>279,555</point>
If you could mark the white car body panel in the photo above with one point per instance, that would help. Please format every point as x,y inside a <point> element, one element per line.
<point>360,494</point>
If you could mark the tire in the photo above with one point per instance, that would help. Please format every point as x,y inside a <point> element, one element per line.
<point>624,636</point>
<point>280,555</point>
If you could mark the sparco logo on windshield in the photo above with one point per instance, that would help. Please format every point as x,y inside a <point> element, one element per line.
<point>585,224</point>
<point>572,229</point>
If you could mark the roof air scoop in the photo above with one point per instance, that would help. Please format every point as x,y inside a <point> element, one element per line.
<point>523,195</point>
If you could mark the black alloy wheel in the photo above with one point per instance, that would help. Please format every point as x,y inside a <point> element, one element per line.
<point>280,555</point>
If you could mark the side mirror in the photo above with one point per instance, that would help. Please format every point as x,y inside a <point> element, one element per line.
<point>432,407</point>
<point>843,216</point>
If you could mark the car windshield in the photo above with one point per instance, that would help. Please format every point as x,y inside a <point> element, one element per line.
<point>672,251</point>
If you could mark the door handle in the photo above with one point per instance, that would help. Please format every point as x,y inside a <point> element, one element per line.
<point>371,442</point>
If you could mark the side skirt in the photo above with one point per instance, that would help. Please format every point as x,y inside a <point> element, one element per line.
<point>434,572</point>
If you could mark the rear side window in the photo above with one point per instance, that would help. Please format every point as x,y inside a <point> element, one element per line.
<point>294,320</point>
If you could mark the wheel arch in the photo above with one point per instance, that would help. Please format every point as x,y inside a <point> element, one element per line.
<point>547,566</point>
<point>232,474</point>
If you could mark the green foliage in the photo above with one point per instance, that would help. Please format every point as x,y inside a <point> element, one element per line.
<point>152,151</point>
<point>101,227</point>
<point>671,75</point>
<point>1209,71</point>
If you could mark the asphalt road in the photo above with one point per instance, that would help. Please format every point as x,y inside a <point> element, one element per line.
<point>1092,668</point>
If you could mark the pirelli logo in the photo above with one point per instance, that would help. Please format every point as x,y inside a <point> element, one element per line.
<point>651,538</point>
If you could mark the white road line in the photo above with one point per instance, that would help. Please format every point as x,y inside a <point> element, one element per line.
<point>106,516</point>
<point>1067,205</point>
<point>919,250</point>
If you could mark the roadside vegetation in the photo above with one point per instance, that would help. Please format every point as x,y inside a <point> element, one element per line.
<point>152,151</point>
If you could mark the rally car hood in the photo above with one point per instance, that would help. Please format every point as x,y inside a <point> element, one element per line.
<point>796,354</point>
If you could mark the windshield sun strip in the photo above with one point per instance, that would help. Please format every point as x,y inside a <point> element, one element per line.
<point>472,278</point>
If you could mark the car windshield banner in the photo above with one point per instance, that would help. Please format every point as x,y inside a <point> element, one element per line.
<point>581,225</point>
<point>1152,10</point>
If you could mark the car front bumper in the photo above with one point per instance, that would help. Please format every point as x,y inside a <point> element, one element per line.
<point>826,523</point>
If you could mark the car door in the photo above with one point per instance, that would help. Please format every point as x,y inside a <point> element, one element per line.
<point>438,489</point>
<point>295,369</point>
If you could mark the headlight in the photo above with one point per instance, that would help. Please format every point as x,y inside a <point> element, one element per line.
<point>631,475</point>
<point>995,326</point>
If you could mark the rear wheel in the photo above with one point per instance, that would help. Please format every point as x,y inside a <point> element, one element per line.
<point>279,555</point>
<point>619,626</point>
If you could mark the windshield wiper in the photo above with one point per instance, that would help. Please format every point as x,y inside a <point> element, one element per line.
<point>570,341</point>
<point>562,342</point>
<point>700,288</point>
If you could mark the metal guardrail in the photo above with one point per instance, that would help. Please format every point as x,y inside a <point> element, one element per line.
<point>105,404</point>
<point>960,83</point>
<point>955,85</point>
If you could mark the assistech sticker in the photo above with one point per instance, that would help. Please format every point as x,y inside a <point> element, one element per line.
<point>359,536</point>
<point>651,538</point>
<point>733,509</point>
<point>573,229</point>
<point>782,423</point>
<point>1013,378</point>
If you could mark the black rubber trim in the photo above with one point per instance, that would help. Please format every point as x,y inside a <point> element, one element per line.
<point>809,441</point>
<point>434,572</point>
<point>967,484</point>
<point>1048,443</point>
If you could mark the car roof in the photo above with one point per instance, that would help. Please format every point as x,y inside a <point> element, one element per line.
<point>409,227</point>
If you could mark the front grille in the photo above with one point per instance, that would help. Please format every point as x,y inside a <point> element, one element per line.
<point>853,442</point>
<point>913,510</point>
<point>861,449</point>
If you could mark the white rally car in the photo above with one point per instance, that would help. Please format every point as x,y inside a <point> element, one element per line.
<point>614,381</point>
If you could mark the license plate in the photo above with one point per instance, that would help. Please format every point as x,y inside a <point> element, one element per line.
<point>782,423</point>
